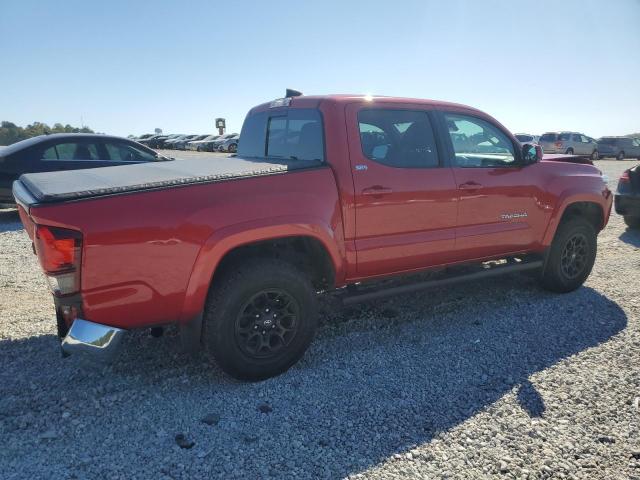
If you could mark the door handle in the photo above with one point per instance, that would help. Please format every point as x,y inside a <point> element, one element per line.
<point>470,186</point>
<point>377,190</point>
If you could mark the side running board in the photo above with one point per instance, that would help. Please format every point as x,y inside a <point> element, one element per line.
<point>486,272</point>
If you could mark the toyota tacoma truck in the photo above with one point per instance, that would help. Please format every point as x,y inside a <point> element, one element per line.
<point>326,195</point>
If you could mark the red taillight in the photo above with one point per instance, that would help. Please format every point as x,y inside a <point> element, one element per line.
<point>59,251</point>
<point>625,178</point>
<point>558,144</point>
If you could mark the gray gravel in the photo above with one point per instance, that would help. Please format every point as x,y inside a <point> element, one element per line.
<point>498,379</point>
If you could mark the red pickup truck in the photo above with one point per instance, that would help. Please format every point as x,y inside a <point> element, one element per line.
<point>325,194</point>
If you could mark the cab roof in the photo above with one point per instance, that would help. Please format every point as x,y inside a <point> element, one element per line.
<point>314,101</point>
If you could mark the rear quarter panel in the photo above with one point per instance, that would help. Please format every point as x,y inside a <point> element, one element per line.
<point>148,257</point>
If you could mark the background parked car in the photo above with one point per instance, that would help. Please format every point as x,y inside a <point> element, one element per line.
<point>182,144</point>
<point>169,144</point>
<point>198,144</point>
<point>216,144</point>
<point>527,138</point>
<point>160,141</point>
<point>142,137</point>
<point>619,147</point>
<point>572,143</point>
<point>67,151</point>
<point>229,145</point>
<point>627,198</point>
<point>146,141</point>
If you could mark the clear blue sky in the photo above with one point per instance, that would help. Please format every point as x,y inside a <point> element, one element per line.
<point>128,66</point>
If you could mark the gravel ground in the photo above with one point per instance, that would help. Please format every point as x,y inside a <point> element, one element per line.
<point>491,380</point>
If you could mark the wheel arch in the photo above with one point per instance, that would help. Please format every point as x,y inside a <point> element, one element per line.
<point>290,241</point>
<point>577,205</point>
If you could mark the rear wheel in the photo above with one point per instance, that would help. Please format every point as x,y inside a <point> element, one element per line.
<point>594,155</point>
<point>569,151</point>
<point>620,156</point>
<point>260,318</point>
<point>632,222</point>
<point>232,148</point>
<point>571,256</point>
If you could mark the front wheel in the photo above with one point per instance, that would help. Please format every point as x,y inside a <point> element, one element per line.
<point>594,155</point>
<point>571,256</point>
<point>260,318</point>
<point>569,151</point>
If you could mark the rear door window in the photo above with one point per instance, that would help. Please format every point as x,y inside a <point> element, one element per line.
<point>548,137</point>
<point>398,138</point>
<point>564,137</point>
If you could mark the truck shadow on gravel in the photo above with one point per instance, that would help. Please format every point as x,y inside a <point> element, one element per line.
<point>9,220</point>
<point>379,380</point>
<point>631,236</point>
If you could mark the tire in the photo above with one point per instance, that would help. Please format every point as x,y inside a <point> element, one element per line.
<point>632,222</point>
<point>232,148</point>
<point>255,349</point>
<point>571,256</point>
<point>595,155</point>
<point>569,151</point>
<point>620,156</point>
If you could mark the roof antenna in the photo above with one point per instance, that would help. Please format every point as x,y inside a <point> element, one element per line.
<point>292,93</point>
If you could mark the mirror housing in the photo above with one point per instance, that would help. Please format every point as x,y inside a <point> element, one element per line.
<point>531,153</point>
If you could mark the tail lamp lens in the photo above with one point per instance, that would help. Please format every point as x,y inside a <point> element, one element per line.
<point>59,251</point>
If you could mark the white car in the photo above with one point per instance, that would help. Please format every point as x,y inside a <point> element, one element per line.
<point>527,138</point>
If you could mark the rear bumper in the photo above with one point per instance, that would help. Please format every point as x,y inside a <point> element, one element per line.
<point>628,205</point>
<point>92,340</point>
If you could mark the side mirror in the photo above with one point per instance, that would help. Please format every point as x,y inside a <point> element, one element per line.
<point>531,153</point>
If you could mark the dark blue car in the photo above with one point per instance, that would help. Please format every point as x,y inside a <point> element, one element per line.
<point>67,151</point>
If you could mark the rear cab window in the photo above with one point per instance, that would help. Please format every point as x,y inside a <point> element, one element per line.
<point>290,135</point>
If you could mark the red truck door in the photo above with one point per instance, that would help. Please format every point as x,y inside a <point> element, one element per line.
<point>499,210</point>
<point>405,198</point>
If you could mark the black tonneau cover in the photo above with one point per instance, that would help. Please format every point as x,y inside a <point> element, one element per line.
<point>77,184</point>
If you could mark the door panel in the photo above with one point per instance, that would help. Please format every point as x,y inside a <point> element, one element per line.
<point>502,215</point>
<point>498,198</point>
<point>405,212</point>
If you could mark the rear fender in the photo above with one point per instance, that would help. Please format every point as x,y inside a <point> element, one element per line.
<point>229,238</point>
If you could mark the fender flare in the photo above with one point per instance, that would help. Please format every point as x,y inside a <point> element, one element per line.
<point>568,198</point>
<point>231,237</point>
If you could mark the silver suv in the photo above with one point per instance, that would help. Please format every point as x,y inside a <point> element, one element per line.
<point>572,143</point>
<point>619,147</point>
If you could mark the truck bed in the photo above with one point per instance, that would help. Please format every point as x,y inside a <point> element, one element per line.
<point>53,187</point>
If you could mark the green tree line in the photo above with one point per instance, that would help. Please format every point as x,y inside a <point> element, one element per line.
<point>11,133</point>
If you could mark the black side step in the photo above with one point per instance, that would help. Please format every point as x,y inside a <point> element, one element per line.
<point>448,280</point>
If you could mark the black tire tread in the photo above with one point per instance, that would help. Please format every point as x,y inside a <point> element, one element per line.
<point>220,308</point>
<point>552,278</point>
